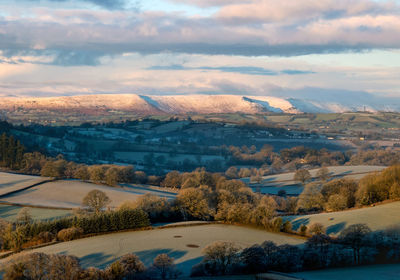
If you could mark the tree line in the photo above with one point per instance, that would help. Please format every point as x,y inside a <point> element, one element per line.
<point>25,233</point>
<point>291,159</point>
<point>41,266</point>
<point>356,245</point>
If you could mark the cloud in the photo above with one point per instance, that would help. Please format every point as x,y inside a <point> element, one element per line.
<point>290,11</point>
<point>76,59</point>
<point>108,4</point>
<point>211,3</point>
<point>296,72</point>
<point>247,70</point>
<point>245,28</point>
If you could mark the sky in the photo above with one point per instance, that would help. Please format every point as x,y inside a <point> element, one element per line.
<point>164,47</point>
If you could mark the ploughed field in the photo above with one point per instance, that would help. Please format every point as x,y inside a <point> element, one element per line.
<point>378,218</point>
<point>185,244</point>
<point>272,184</point>
<point>69,194</point>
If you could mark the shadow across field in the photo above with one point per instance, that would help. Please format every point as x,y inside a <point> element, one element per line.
<point>297,223</point>
<point>7,211</point>
<point>332,229</point>
<point>12,183</point>
<point>103,260</point>
<point>336,228</point>
<point>148,256</point>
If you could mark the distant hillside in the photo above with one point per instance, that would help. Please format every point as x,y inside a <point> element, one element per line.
<point>202,104</point>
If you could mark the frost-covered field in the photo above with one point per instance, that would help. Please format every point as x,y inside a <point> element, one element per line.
<point>377,218</point>
<point>9,213</point>
<point>373,272</point>
<point>69,194</point>
<point>274,183</point>
<point>101,250</point>
<point>11,182</point>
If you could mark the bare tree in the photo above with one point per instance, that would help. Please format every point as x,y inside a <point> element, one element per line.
<point>24,216</point>
<point>316,229</point>
<point>164,264</point>
<point>302,176</point>
<point>355,236</point>
<point>95,201</point>
<point>323,174</point>
<point>221,255</point>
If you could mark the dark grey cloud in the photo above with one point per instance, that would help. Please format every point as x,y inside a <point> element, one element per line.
<point>58,57</point>
<point>77,59</point>
<point>108,4</point>
<point>296,72</point>
<point>247,70</point>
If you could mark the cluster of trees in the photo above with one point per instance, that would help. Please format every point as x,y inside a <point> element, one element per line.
<point>341,194</point>
<point>375,157</point>
<point>105,173</point>
<point>380,186</point>
<point>210,196</point>
<point>41,266</point>
<point>356,245</point>
<point>250,155</point>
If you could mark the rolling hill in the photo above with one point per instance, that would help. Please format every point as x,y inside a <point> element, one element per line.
<point>185,244</point>
<point>182,104</point>
<point>378,218</point>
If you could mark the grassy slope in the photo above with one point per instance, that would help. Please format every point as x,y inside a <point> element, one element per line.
<point>100,251</point>
<point>11,182</point>
<point>377,218</point>
<point>69,194</point>
<point>9,213</point>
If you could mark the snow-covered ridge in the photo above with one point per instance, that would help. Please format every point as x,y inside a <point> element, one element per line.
<point>203,104</point>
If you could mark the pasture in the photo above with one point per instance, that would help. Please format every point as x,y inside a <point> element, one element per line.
<point>10,182</point>
<point>182,243</point>
<point>10,213</point>
<point>376,217</point>
<point>69,194</point>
